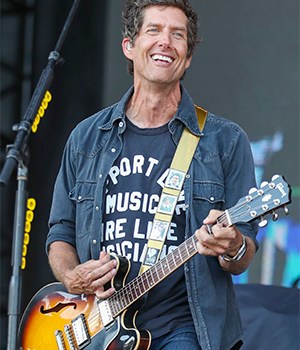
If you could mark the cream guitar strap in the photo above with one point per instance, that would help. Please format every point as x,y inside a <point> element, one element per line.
<point>171,191</point>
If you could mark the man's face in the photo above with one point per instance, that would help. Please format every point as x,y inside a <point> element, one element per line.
<point>159,53</point>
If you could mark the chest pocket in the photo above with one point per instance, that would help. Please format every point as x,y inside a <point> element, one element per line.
<point>208,195</point>
<point>83,196</point>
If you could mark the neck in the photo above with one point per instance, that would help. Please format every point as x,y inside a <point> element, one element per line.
<point>153,107</point>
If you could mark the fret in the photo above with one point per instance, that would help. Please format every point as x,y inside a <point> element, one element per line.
<point>121,299</point>
<point>177,258</point>
<point>148,278</point>
<point>157,274</point>
<point>124,298</point>
<point>152,282</point>
<point>112,306</point>
<point>138,285</point>
<point>129,296</point>
<point>114,300</point>
<point>174,261</point>
<point>165,265</point>
<point>191,245</point>
<point>143,288</point>
<point>180,256</point>
<point>159,269</point>
<point>134,290</point>
<point>187,252</point>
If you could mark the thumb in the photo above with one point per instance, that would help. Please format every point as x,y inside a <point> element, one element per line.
<point>212,217</point>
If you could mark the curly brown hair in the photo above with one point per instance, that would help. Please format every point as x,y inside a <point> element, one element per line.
<point>133,16</point>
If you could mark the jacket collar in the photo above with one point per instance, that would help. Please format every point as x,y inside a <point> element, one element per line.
<point>186,113</point>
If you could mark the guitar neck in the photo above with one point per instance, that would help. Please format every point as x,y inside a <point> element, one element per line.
<point>256,204</point>
<point>140,285</point>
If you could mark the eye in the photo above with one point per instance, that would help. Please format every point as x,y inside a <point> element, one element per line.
<point>152,30</point>
<point>178,35</point>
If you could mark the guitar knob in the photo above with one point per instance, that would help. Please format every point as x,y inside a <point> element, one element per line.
<point>286,210</point>
<point>252,190</point>
<point>274,216</point>
<point>263,222</point>
<point>275,177</point>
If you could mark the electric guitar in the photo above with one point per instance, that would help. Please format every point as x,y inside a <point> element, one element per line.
<point>56,319</point>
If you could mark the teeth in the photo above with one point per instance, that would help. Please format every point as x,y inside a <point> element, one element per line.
<point>162,58</point>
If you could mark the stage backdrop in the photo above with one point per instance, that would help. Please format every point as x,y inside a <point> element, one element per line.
<point>246,69</point>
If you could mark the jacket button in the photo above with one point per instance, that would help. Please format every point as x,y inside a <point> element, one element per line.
<point>94,241</point>
<point>97,208</point>
<point>121,124</point>
<point>212,198</point>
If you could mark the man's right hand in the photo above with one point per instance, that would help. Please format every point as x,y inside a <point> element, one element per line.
<point>89,277</point>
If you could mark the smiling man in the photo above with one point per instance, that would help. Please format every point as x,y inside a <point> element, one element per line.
<point>115,166</point>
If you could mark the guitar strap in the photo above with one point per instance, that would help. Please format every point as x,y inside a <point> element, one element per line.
<point>179,167</point>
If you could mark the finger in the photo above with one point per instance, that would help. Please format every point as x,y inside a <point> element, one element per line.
<point>104,279</point>
<point>210,244</point>
<point>104,257</point>
<point>104,294</point>
<point>104,267</point>
<point>204,242</point>
<point>202,249</point>
<point>212,216</point>
<point>205,234</point>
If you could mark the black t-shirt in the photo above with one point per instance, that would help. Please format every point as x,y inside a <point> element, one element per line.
<point>133,190</point>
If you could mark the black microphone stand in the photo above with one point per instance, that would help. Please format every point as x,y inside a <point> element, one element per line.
<point>18,156</point>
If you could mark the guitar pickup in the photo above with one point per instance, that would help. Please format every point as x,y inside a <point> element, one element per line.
<point>105,313</point>
<point>59,340</point>
<point>80,331</point>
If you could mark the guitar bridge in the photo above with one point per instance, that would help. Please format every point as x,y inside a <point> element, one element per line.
<point>105,313</point>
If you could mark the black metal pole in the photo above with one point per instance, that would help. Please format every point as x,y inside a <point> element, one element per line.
<point>15,285</point>
<point>18,156</point>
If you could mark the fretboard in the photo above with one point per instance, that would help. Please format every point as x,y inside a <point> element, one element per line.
<point>140,285</point>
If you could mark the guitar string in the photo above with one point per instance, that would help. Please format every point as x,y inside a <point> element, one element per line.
<point>149,276</point>
<point>158,268</point>
<point>126,291</point>
<point>236,208</point>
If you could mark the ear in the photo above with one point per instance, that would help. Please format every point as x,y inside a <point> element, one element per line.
<point>188,62</point>
<point>127,47</point>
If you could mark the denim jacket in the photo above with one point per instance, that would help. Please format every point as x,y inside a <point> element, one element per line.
<point>222,171</point>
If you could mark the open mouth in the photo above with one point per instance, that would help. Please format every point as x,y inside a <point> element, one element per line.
<point>162,58</point>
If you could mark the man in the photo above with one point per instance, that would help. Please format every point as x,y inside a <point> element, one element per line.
<point>111,177</point>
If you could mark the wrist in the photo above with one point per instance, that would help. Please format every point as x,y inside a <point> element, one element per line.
<point>240,253</point>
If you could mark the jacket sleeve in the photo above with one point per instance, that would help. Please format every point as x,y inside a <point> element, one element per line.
<point>62,214</point>
<point>239,175</point>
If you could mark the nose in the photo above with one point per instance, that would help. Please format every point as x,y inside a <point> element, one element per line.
<point>165,39</point>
